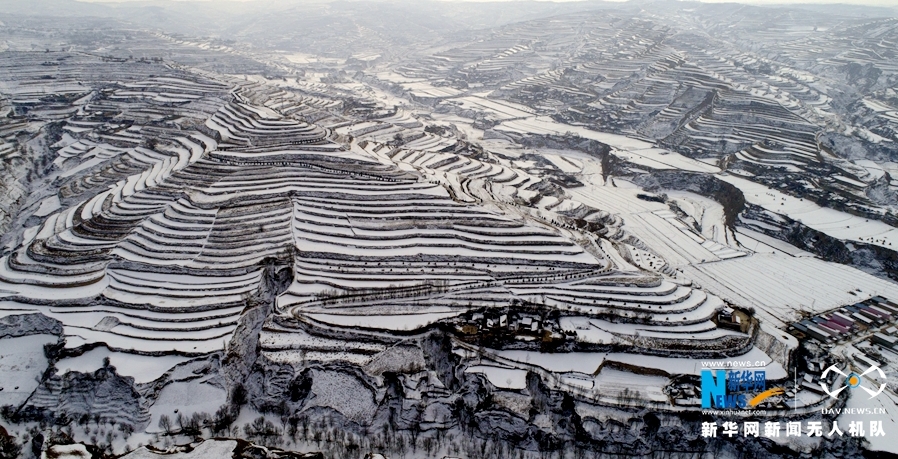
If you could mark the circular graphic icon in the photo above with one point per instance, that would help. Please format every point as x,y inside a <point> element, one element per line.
<point>853,380</point>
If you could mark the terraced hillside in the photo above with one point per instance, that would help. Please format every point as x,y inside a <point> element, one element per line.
<point>771,115</point>
<point>510,236</point>
<point>155,249</point>
<point>180,196</point>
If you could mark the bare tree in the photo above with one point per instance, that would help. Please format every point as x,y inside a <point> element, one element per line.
<point>165,424</point>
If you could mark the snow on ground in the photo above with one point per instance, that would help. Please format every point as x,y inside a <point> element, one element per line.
<point>859,400</point>
<point>394,77</point>
<point>615,196</point>
<point>89,290</point>
<point>760,242</point>
<point>670,365</point>
<point>654,223</point>
<point>187,397</point>
<point>500,109</point>
<point>589,362</point>
<point>75,451</point>
<point>10,308</point>
<point>581,362</point>
<point>503,378</point>
<point>708,213</point>
<point>832,222</point>
<point>22,362</point>
<point>633,150</point>
<point>297,356</point>
<point>780,286</point>
<point>206,449</point>
<point>585,331</point>
<point>677,246</point>
<point>330,389</point>
<point>425,89</point>
<point>612,383</point>
<point>142,368</point>
<point>77,336</point>
<point>401,322</point>
<point>48,206</point>
<point>875,170</point>
<point>566,165</point>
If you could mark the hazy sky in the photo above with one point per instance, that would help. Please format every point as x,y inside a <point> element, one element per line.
<point>888,3</point>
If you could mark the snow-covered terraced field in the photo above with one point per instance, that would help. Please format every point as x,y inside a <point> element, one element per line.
<point>166,256</point>
<point>259,126</point>
<point>490,226</point>
<point>780,287</point>
<point>838,224</point>
<point>632,149</point>
<point>385,228</point>
<point>164,259</point>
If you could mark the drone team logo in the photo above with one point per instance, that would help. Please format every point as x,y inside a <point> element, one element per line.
<point>852,380</point>
<point>728,389</point>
